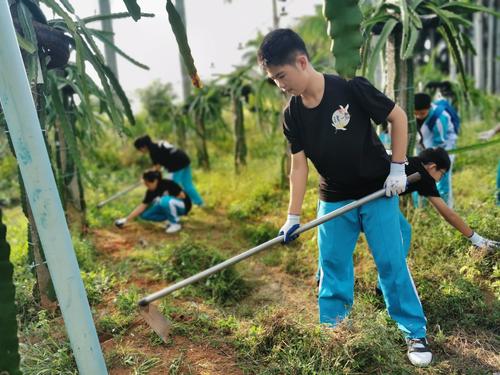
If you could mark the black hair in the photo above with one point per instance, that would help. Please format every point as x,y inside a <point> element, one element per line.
<point>151,175</point>
<point>436,155</point>
<point>144,141</point>
<point>422,101</point>
<point>280,47</point>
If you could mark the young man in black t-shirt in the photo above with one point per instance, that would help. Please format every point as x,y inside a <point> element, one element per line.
<point>432,164</point>
<point>174,160</point>
<point>328,121</point>
<point>164,201</point>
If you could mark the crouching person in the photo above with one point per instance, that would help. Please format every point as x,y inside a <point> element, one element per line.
<point>164,201</point>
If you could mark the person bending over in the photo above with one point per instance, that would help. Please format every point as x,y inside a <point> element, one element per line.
<point>174,160</point>
<point>164,201</point>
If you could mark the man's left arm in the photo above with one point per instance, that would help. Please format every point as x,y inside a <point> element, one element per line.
<point>399,134</point>
<point>396,181</point>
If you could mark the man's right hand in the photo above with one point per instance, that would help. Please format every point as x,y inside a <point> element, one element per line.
<point>120,222</point>
<point>482,242</point>
<point>291,225</point>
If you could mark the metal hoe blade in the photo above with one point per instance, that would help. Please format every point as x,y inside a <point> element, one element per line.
<point>156,320</point>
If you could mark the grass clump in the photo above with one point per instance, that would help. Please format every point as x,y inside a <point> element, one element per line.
<point>190,258</point>
<point>260,233</point>
<point>280,343</point>
<point>264,199</point>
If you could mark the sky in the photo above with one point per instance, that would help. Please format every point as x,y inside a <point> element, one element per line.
<point>215,28</point>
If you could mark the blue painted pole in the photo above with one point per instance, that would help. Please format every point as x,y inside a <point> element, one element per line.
<point>24,127</point>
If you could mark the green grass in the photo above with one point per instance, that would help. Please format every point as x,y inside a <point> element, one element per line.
<point>459,286</point>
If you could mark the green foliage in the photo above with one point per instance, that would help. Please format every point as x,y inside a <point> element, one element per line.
<point>157,100</point>
<point>181,36</point>
<point>262,200</point>
<point>9,344</point>
<point>46,353</point>
<point>189,258</point>
<point>97,283</point>
<point>114,324</point>
<point>260,233</point>
<point>344,20</point>
<point>85,253</point>
<point>126,301</point>
<point>279,343</point>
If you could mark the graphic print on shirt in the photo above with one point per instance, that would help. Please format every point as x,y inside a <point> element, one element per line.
<point>341,118</point>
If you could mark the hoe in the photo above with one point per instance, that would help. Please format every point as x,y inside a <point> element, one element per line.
<point>161,325</point>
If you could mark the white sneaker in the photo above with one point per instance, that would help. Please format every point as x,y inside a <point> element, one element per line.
<point>173,227</point>
<point>418,352</point>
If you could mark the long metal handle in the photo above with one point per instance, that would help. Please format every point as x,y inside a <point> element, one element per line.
<point>119,194</point>
<point>238,258</point>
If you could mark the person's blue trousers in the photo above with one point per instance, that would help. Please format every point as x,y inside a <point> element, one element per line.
<point>337,238</point>
<point>185,179</point>
<point>167,208</point>
<point>444,185</point>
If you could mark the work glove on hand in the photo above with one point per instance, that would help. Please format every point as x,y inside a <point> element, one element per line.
<point>120,222</point>
<point>291,225</point>
<point>486,135</point>
<point>396,181</point>
<point>481,242</point>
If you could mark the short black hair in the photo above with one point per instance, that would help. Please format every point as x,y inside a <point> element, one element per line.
<point>144,141</point>
<point>422,101</point>
<point>151,175</point>
<point>280,47</point>
<point>436,155</point>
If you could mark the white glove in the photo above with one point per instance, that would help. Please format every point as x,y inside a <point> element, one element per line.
<point>481,242</point>
<point>396,181</point>
<point>291,225</point>
<point>486,135</point>
<point>120,222</point>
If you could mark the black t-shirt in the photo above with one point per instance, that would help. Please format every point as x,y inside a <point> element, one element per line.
<point>168,156</point>
<point>339,139</point>
<point>166,187</point>
<point>426,186</point>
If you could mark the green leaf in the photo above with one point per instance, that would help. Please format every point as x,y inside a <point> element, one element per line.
<point>113,46</point>
<point>382,40</point>
<point>69,134</point>
<point>121,94</point>
<point>462,7</point>
<point>405,21</point>
<point>450,40</point>
<point>70,24</point>
<point>25,44</point>
<point>133,8</point>
<point>408,52</point>
<point>68,6</point>
<point>26,20</point>
<point>180,35</point>
<point>112,16</point>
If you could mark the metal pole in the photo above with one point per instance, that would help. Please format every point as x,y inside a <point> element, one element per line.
<point>119,194</point>
<point>107,25</point>
<point>238,258</point>
<point>24,127</point>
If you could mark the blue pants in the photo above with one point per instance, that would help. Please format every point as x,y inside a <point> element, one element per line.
<point>405,233</point>
<point>337,238</point>
<point>444,185</point>
<point>167,208</point>
<point>185,179</point>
